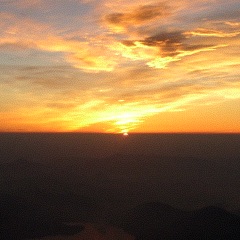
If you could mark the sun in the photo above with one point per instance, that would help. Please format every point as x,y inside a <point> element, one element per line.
<point>125,134</point>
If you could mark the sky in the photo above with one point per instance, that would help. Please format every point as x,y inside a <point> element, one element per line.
<point>119,66</point>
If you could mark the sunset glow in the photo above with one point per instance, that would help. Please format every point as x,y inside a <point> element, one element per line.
<point>120,66</point>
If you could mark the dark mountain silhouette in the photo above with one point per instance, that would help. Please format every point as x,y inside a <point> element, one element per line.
<point>39,198</point>
<point>155,221</point>
<point>36,202</point>
<point>22,219</point>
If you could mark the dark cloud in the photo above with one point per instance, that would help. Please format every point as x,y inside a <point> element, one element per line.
<point>197,46</point>
<point>149,12</point>
<point>137,16</point>
<point>166,38</point>
<point>171,37</point>
<point>128,43</point>
<point>115,18</point>
<point>169,43</point>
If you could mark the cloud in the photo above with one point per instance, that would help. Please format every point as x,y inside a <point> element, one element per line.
<point>232,24</point>
<point>119,21</point>
<point>80,102</point>
<point>169,42</point>
<point>160,50</point>
<point>24,33</point>
<point>212,33</point>
<point>88,61</point>
<point>113,62</point>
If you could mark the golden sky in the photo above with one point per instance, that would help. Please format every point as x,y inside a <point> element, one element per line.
<point>120,66</point>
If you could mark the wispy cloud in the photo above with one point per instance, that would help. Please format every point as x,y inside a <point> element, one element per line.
<point>160,50</point>
<point>26,33</point>
<point>212,33</point>
<point>110,65</point>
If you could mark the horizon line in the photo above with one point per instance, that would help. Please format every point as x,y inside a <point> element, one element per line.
<point>112,133</point>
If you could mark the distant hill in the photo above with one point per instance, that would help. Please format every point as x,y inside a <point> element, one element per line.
<point>36,202</point>
<point>20,219</point>
<point>155,221</point>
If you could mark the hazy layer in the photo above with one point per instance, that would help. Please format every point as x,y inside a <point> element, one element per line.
<point>183,170</point>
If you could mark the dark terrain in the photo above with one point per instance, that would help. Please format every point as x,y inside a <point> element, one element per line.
<point>48,181</point>
<point>153,221</point>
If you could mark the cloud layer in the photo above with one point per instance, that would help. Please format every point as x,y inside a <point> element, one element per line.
<point>113,64</point>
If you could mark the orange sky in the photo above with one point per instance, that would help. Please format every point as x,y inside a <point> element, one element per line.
<point>120,66</point>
